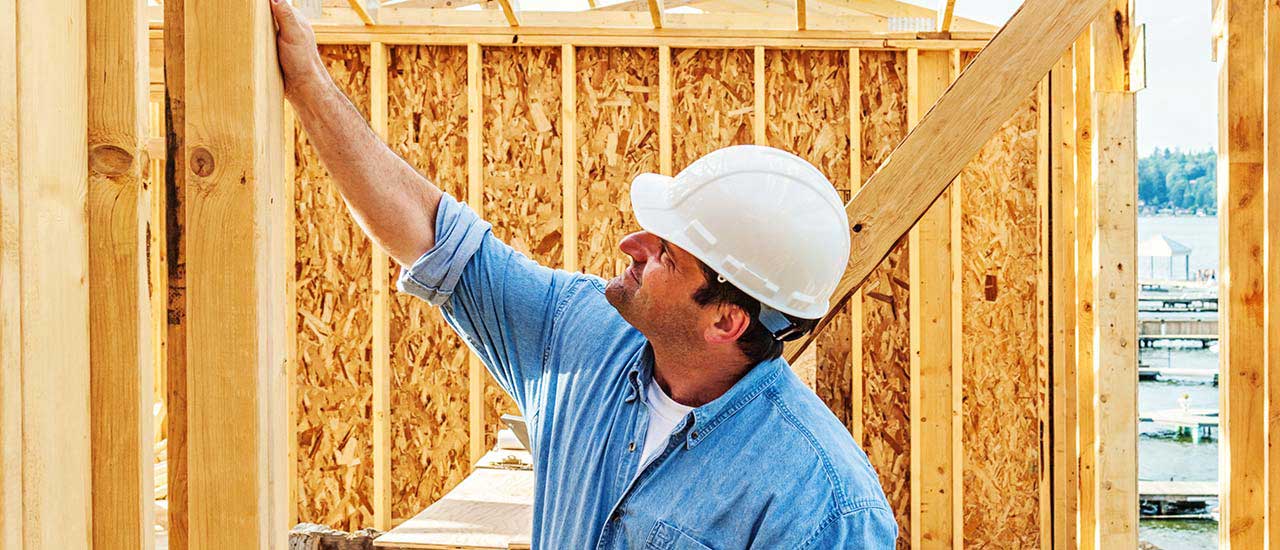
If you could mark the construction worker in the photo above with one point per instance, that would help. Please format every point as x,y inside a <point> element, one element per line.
<point>660,413</point>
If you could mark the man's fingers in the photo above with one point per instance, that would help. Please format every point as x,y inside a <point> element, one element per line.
<point>286,19</point>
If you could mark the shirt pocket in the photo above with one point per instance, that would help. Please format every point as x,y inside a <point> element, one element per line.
<point>665,536</point>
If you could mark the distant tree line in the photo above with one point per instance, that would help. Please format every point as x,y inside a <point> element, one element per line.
<point>1170,178</point>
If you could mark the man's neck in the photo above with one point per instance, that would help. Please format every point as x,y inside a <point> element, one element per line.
<point>699,377</point>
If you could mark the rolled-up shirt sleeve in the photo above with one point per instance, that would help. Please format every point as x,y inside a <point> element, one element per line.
<point>502,303</point>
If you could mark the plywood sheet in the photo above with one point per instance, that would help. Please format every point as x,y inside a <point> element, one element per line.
<point>712,101</point>
<point>807,113</point>
<point>886,363</point>
<point>1000,249</point>
<point>333,331</point>
<point>522,164</point>
<point>427,125</point>
<point>617,114</point>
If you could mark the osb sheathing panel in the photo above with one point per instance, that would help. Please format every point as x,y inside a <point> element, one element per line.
<point>427,125</point>
<point>1000,251</point>
<point>522,187</point>
<point>713,99</point>
<point>617,112</point>
<point>886,364</point>
<point>334,330</point>
<point>807,113</point>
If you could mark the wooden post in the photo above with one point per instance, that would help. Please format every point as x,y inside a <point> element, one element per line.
<point>121,369</point>
<point>475,198</point>
<point>1242,219</point>
<point>1063,303</point>
<point>569,153</point>
<point>1115,361</point>
<point>956,221</point>
<point>291,315</point>
<point>1272,254</point>
<point>1043,170</point>
<point>236,328</point>
<point>933,433</point>
<point>758,84</point>
<point>381,317</point>
<point>44,350</point>
<point>664,110</point>
<point>855,301</point>
<point>1084,287</point>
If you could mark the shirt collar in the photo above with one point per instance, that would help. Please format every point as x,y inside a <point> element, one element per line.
<point>708,417</point>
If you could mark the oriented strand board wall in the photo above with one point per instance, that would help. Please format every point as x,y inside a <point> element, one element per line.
<point>427,125</point>
<point>334,331</point>
<point>522,186</point>
<point>1000,251</point>
<point>713,99</point>
<point>617,114</point>
<point>807,113</point>
<point>886,363</point>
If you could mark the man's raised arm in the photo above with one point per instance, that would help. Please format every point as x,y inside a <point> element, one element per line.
<point>394,204</point>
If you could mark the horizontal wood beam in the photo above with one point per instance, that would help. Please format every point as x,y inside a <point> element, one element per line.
<point>957,127</point>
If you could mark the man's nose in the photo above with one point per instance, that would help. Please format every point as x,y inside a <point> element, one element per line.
<point>639,245</point>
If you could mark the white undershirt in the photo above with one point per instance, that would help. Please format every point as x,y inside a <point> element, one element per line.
<point>664,415</point>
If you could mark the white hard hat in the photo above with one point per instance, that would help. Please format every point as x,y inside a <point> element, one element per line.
<point>764,219</point>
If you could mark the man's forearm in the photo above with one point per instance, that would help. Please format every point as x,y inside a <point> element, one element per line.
<point>394,204</point>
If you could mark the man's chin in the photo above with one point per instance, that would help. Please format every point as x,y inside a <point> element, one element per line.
<point>617,293</point>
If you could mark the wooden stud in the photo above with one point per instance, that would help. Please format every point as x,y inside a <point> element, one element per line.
<point>509,13</point>
<point>933,434</point>
<point>381,318</point>
<point>801,16</point>
<point>569,153</point>
<point>758,121</point>
<point>1063,303</point>
<point>357,6</point>
<point>664,110</point>
<point>946,12</point>
<point>1242,218</point>
<point>175,177</point>
<point>855,302</point>
<point>475,198</point>
<point>655,13</point>
<point>44,324</point>
<point>236,329</point>
<point>986,94</point>
<point>1043,168</point>
<point>957,344</point>
<point>291,313</point>
<point>120,365</point>
<point>1084,289</point>
<point>1272,254</point>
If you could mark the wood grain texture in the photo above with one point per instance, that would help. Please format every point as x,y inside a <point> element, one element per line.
<point>1085,202</point>
<point>1066,467</point>
<point>334,329</point>
<point>522,163</point>
<point>427,125</point>
<point>45,416</point>
<point>886,328</point>
<point>380,347</point>
<point>617,112</point>
<point>712,101</point>
<point>120,331</point>
<point>175,175</point>
<point>1000,248</point>
<point>806,112</point>
<point>1272,254</point>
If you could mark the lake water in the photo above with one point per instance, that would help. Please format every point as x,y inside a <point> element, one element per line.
<point>1163,455</point>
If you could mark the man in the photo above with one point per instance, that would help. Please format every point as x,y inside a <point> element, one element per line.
<point>660,414</point>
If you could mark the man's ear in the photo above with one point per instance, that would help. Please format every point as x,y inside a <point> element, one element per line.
<point>729,324</point>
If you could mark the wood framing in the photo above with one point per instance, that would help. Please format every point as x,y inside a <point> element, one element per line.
<point>953,131</point>
<point>1044,337</point>
<point>1085,202</point>
<point>381,345</point>
<point>802,15</point>
<point>120,331</point>
<point>1242,218</point>
<point>357,6</point>
<point>568,153</point>
<point>236,328</point>
<point>758,107</point>
<point>664,110</point>
<point>934,433</point>
<point>946,13</point>
<point>175,177</point>
<point>856,382</point>
<point>1062,300</point>
<point>1272,255</point>
<point>509,12</point>
<point>44,326</point>
<point>655,13</point>
<point>475,196</point>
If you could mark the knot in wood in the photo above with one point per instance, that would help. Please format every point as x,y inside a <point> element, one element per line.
<point>109,160</point>
<point>201,162</point>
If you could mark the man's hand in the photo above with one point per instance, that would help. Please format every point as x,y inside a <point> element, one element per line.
<point>303,71</point>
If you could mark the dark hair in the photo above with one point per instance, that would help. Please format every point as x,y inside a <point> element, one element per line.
<point>757,343</point>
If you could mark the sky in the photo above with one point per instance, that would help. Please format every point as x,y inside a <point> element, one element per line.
<point>1179,107</point>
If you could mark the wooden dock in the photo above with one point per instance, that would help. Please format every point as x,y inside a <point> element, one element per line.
<point>1177,499</point>
<point>1199,423</point>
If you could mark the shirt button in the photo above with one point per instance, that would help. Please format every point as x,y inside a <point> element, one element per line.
<point>694,435</point>
<point>632,447</point>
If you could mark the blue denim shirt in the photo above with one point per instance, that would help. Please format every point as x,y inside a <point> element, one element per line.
<point>766,465</point>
